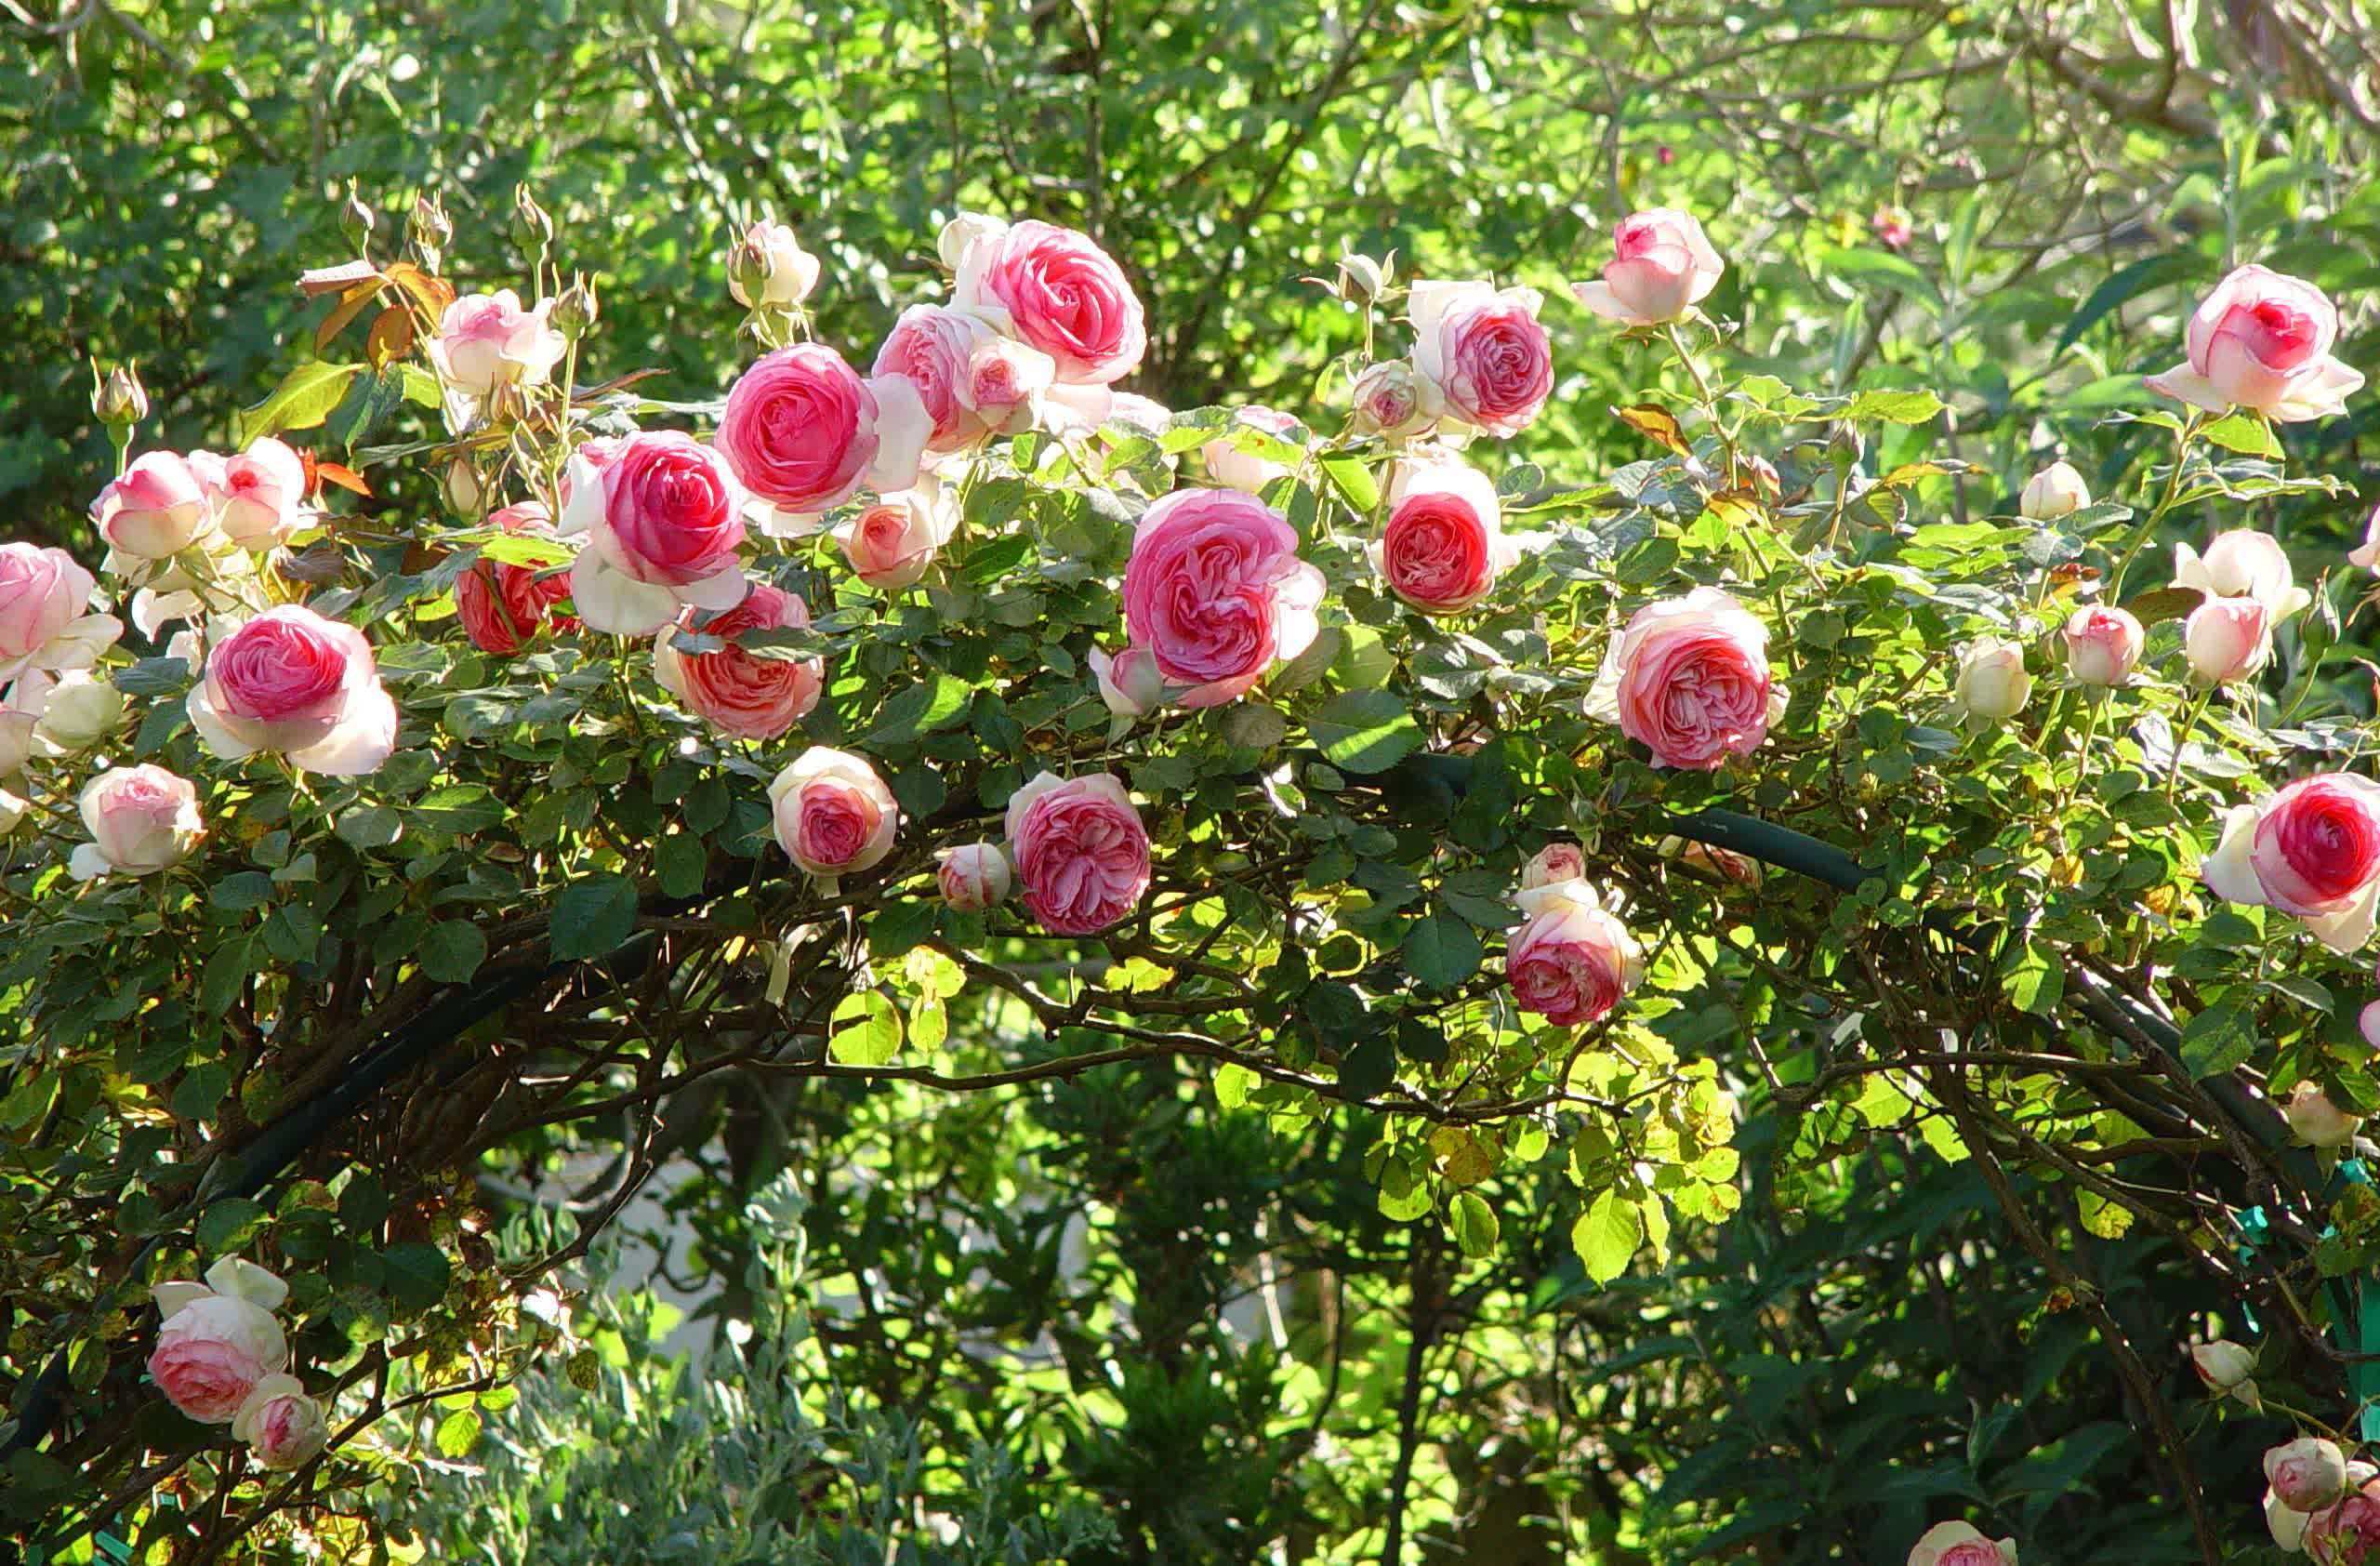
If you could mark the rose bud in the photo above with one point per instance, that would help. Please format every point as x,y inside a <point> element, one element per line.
<point>2310,849</point>
<point>2227,639</point>
<point>1961,1544</point>
<point>2307,1473</point>
<point>1053,289</point>
<point>1764,476</point>
<point>1992,683</point>
<point>460,484</point>
<point>2226,1368</point>
<point>974,877</point>
<point>1662,265</point>
<point>2287,1527</point>
<point>1481,354</point>
<point>1689,679</point>
<point>1443,546</point>
<point>44,596</point>
<point>281,1426</point>
<point>2243,562</point>
<point>1214,589</point>
<point>1080,851</point>
<point>158,507</point>
<point>259,495</point>
<point>2057,491</point>
<point>141,819</point>
<point>432,229</point>
<point>1555,861</point>
<point>1363,280</point>
<point>118,400</point>
<point>576,310</point>
<point>2262,340</point>
<point>2103,643</point>
<point>2317,1122</point>
<point>80,711</point>
<point>1387,400</point>
<point>1716,864</point>
<point>834,816</point>
<point>1892,226</point>
<point>891,543</point>
<point>737,692</point>
<point>290,681</point>
<point>1574,959</point>
<point>532,225</point>
<point>487,340</point>
<point>1128,681</point>
<point>219,1339</point>
<point>1235,469</point>
<point>767,266</point>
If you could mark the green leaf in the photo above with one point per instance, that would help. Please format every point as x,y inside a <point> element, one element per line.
<point>938,703</point>
<point>303,401</point>
<point>1365,731</point>
<point>2035,980</point>
<point>1607,1236</point>
<point>2217,1039</point>
<point>225,1223</point>
<point>865,1031</point>
<point>459,1433</point>
<point>241,890</point>
<point>2245,432</point>
<point>897,927</point>
<point>1352,477</point>
<point>370,399</point>
<point>453,951</point>
<point>1892,408</point>
<point>1442,950</point>
<point>1474,1224</point>
<point>457,809</point>
<point>593,916</point>
<point>2169,266</point>
<point>199,1092</point>
<point>678,862</point>
<point>371,825</point>
<point>415,1275</point>
<point>1234,1083</point>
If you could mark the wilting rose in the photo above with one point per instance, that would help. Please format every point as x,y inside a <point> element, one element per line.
<point>2243,563</point>
<point>2311,849</point>
<point>1555,861</point>
<point>974,877</point>
<point>1081,850</point>
<point>78,711</point>
<point>2103,643</point>
<point>2057,491</point>
<point>805,433</point>
<point>891,543</point>
<point>2348,1533</point>
<point>1660,265</point>
<point>281,1425</point>
<point>767,266</point>
<point>2227,639</point>
<point>1961,1544</point>
<point>661,518</point>
<point>141,819</point>
<point>737,692</point>
<point>487,340</point>
<point>1481,354</point>
<point>2263,341</point>
<point>44,596</point>
<point>1128,681</point>
<point>834,816</point>
<point>1574,959</point>
<point>1992,683</point>
<point>1235,469</point>
<point>157,508</point>
<point>2226,1369</point>
<point>1689,679</point>
<point>292,681</point>
<point>1444,544</point>
<point>2317,1122</point>
<point>1214,589</point>
<point>1058,292</point>
<point>1387,400</point>
<point>218,1339</point>
<point>258,495</point>
<point>2307,1473</point>
<point>501,605</point>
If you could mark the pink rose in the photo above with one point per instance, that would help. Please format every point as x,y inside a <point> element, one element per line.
<point>2057,491</point>
<point>1387,401</point>
<point>42,596</point>
<point>767,266</point>
<point>2262,340</point>
<point>1689,679</point>
<point>2227,639</point>
<point>1235,469</point>
<point>219,1339</point>
<point>1892,227</point>
<point>891,544</point>
<point>2307,1473</point>
<point>1574,959</point>
<point>2311,849</point>
<point>1555,861</point>
<point>1128,681</point>
<point>2367,555</point>
<point>487,340</point>
<point>1959,1544</point>
<point>834,816</point>
<point>2243,563</point>
<point>1081,850</point>
<point>972,381</point>
<point>281,1426</point>
<point>2317,1122</point>
<point>141,821</point>
<point>1660,265</point>
<point>259,495</point>
<point>1481,354</point>
<point>804,432</point>
<point>1058,292</point>
<point>1444,544</point>
<point>501,605</point>
<point>2367,1021</point>
<point>974,877</point>
<point>741,692</point>
<point>2348,1533</point>
<point>1214,589</point>
<point>660,515</point>
<point>2102,644</point>
<point>158,507</point>
<point>292,681</point>
<point>1005,384</point>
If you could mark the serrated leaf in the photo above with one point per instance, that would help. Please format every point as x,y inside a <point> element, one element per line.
<point>1607,1236</point>
<point>415,1275</point>
<point>303,401</point>
<point>459,1433</point>
<point>1474,1224</point>
<point>1892,408</point>
<point>452,950</point>
<point>2217,1039</point>
<point>1365,732</point>
<point>864,1029</point>
<point>593,916</point>
<point>939,702</point>
<point>1656,424</point>
<point>1442,950</point>
<point>2242,432</point>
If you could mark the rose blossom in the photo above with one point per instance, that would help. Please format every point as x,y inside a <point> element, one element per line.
<point>974,877</point>
<point>1992,683</point>
<point>2057,491</point>
<point>1056,291</point>
<point>281,1425</point>
<point>1128,681</point>
<point>972,381</point>
<point>1555,861</point>
<point>660,515</point>
<point>258,495</point>
<point>293,682</point>
<point>219,1339</point>
<point>1660,265</point>
<point>487,340</point>
<point>1081,850</point>
<point>2262,340</point>
<point>834,815</point>
<point>2348,1533</point>
<point>2367,1021</point>
<point>805,433</point>
<point>767,266</point>
<point>44,595</point>
<point>78,711</point>
<point>2317,1122</point>
<point>891,543</point>
<point>1689,679</point>
<point>741,692</point>
<point>1961,1544</point>
<point>2103,643</point>
<point>2243,563</point>
<point>156,509</point>
<point>2287,1525</point>
<point>2307,1473</point>
<point>1444,544</point>
<point>2227,639</point>
<point>2226,1369</point>
<point>1574,959</point>
<point>2311,849</point>
<point>1387,400</point>
<point>502,604</point>
<point>1214,589</point>
<point>1243,471</point>
<point>2367,555</point>
<point>141,819</point>
<point>1481,354</point>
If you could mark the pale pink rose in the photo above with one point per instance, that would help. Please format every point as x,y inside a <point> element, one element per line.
<point>1081,850</point>
<point>974,877</point>
<point>2310,849</point>
<point>2348,1533</point>
<point>1005,385</point>
<point>1574,959</point>
<point>1056,291</point>
<point>1128,681</point>
<point>2226,1369</point>
<point>21,704</point>
<point>1689,679</point>
<point>834,815</point>
<point>2367,555</point>
<point>2287,1527</point>
<point>2227,639</point>
<point>2263,341</point>
<point>1555,861</point>
<point>891,543</point>
<point>2367,1021</point>
<point>953,358</point>
<point>585,469</point>
<point>805,433</point>
<point>78,711</point>
<point>1387,401</point>
<point>737,692</point>
<point>1992,685</point>
<point>767,266</point>
<point>2103,643</point>
<point>290,681</point>
<point>501,605</point>
<point>158,507</point>
<point>258,495</point>
<point>142,819</point>
<point>1444,544</point>
<point>219,1339</point>
<point>1235,469</point>
<point>2317,1122</point>
<point>1481,354</point>
<point>1660,265</point>
<point>1961,1544</point>
<point>2307,1473</point>
<point>281,1424</point>
<point>2057,491</point>
<point>487,340</point>
<point>1214,589</point>
<point>2243,563</point>
<point>661,515</point>
<point>44,596</point>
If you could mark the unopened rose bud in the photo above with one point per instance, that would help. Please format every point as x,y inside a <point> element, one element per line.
<point>464,493</point>
<point>1363,280</point>
<point>2225,1368</point>
<point>2317,1122</point>
<point>2228,639</point>
<point>355,219</point>
<point>768,267</point>
<point>575,311</point>
<point>1555,861</point>
<point>433,229</point>
<point>974,876</point>
<point>2307,1473</point>
<point>2057,491</point>
<point>1387,400</point>
<point>118,398</point>
<point>1764,476</point>
<point>1993,682</point>
<point>2102,644</point>
<point>1129,680</point>
<point>532,225</point>
<point>961,232</point>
